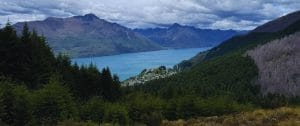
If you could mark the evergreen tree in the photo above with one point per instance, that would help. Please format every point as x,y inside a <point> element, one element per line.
<point>93,110</point>
<point>9,51</point>
<point>25,34</point>
<point>28,59</point>
<point>14,103</point>
<point>111,88</point>
<point>53,103</point>
<point>7,112</point>
<point>21,106</point>
<point>42,60</point>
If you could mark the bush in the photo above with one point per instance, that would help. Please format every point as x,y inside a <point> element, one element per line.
<point>116,113</point>
<point>22,106</point>
<point>140,106</point>
<point>153,119</point>
<point>93,110</point>
<point>191,106</point>
<point>53,103</point>
<point>14,103</point>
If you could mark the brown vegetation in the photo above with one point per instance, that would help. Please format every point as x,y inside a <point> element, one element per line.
<point>279,65</point>
<point>278,117</point>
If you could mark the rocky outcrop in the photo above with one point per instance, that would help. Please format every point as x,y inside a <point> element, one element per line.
<point>148,75</point>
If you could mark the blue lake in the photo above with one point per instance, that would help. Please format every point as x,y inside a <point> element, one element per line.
<point>131,64</point>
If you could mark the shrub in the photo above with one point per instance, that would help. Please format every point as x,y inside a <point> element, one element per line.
<point>116,113</point>
<point>53,103</point>
<point>93,110</point>
<point>14,103</point>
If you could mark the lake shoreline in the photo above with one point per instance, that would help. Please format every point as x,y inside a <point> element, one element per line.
<point>131,64</point>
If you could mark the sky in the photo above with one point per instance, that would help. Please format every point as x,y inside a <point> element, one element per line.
<point>211,14</point>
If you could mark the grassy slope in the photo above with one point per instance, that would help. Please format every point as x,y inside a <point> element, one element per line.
<point>277,117</point>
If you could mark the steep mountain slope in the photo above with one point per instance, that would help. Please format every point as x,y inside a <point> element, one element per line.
<point>245,42</point>
<point>279,24</point>
<point>88,35</point>
<point>178,36</point>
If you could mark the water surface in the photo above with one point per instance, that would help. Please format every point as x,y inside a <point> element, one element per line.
<point>131,64</point>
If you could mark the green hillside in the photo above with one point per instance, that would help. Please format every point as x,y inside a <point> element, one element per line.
<point>240,43</point>
<point>224,72</point>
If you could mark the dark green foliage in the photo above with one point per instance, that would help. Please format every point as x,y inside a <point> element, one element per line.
<point>116,113</point>
<point>40,63</point>
<point>22,106</point>
<point>93,110</point>
<point>27,59</point>
<point>141,107</point>
<point>53,103</point>
<point>14,103</point>
<point>111,85</point>
<point>9,50</point>
<point>7,111</point>
<point>86,81</point>
<point>210,79</point>
<point>193,106</point>
<point>54,82</point>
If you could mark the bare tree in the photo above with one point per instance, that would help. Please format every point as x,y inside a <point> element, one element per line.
<point>279,65</point>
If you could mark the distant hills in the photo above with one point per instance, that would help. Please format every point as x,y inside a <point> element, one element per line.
<point>88,35</point>
<point>179,36</point>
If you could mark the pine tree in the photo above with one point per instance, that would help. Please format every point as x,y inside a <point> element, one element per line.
<point>25,33</point>
<point>38,59</point>
<point>111,88</point>
<point>53,103</point>
<point>9,52</point>
<point>7,112</point>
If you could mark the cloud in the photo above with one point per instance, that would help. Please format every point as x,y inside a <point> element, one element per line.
<point>216,14</point>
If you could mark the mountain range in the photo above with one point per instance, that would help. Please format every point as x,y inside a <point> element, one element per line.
<point>179,36</point>
<point>88,35</point>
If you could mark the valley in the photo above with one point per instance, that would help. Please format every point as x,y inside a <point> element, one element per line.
<point>61,65</point>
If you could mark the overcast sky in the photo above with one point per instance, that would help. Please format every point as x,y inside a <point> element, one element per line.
<point>216,14</point>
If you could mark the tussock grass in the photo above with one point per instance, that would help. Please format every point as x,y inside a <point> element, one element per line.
<point>276,117</point>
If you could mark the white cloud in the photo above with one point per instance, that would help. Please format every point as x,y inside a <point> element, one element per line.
<point>217,14</point>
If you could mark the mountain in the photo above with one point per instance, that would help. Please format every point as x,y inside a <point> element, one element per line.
<point>260,35</point>
<point>258,68</point>
<point>178,36</point>
<point>280,23</point>
<point>88,35</point>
